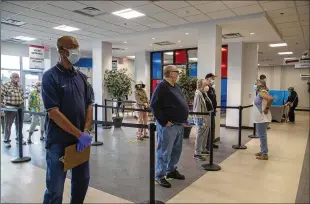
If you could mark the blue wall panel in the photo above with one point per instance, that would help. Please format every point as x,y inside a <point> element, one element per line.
<point>156,65</point>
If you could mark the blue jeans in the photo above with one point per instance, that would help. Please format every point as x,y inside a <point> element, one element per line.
<point>55,177</point>
<point>261,131</point>
<point>169,148</point>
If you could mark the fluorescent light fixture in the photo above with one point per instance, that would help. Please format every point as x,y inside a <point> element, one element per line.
<point>153,38</point>
<point>181,46</point>
<point>66,28</point>
<point>131,57</point>
<point>252,33</point>
<point>125,42</point>
<point>258,64</point>
<point>186,33</point>
<point>193,58</point>
<point>168,53</point>
<point>278,45</point>
<point>24,38</point>
<point>128,13</point>
<point>285,53</point>
<point>179,41</point>
<point>126,48</point>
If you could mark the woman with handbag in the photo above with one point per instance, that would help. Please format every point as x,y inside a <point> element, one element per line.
<point>142,103</point>
<point>292,102</point>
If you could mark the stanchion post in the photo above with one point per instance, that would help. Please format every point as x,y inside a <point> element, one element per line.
<point>254,132</point>
<point>239,145</point>
<point>105,125</point>
<point>21,157</point>
<point>96,143</point>
<point>211,166</point>
<point>152,129</point>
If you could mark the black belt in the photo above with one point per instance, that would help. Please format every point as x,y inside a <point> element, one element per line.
<point>8,104</point>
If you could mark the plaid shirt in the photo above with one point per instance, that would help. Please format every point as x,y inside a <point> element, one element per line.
<point>12,94</point>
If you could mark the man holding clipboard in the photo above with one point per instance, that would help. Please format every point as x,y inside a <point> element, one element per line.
<point>67,99</point>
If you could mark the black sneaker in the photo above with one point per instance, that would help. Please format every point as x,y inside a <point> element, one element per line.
<point>163,182</point>
<point>199,158</point>
<point>29,141</point>
<point>205,153</point>
<point>215,146</point>
<point>175,175</point>
<point>7,141</point>
<point>42,138</point>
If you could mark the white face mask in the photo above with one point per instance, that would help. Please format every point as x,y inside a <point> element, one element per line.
<point>212,82</point>
<point>74,55</point>
<point>206,89</point>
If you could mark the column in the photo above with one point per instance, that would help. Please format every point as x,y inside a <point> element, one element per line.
<point>277,78</point>
<point>143,69</point>
<point>102,60</point>
<point>209,60</point>
<point>241,76</point>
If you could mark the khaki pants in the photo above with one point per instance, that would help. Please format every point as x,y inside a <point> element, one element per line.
<point>8,122</point>
<point>142,119</point>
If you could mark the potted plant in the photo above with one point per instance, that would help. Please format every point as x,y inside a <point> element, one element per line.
<point>118,84</point>
<point>188,86</point>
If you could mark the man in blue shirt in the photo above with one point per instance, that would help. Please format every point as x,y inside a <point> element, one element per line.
<point>67,100</point>
<point>170,111</point>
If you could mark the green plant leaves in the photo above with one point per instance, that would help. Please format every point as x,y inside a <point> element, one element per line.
<point>188,86</point>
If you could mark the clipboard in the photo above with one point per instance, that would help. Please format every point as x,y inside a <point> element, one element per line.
<point>73,158</point>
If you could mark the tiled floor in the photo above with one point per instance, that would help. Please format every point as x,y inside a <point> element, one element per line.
<point>119,170</point>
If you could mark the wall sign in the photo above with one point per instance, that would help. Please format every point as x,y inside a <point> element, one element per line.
<point>36,57</point>
<point>114,65</point>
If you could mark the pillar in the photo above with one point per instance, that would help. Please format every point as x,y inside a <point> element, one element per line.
<point>209,61</point>
<point>241,76</point>
<point>143,69</point>
<point>277,78</point>
<point>102,60</point>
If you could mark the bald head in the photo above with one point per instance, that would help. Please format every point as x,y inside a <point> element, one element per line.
<point>69,52</point>
<point>67,42</point>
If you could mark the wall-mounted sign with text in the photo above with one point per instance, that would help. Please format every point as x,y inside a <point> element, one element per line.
<point>36,57</point>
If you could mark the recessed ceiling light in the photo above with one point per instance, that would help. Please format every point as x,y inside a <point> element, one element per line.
<point>179,41</point>
<point>252,33</point>
<point>131,57</point>
<point>126,48</point>
<point>168,53</point>
<point>153,38</point>
<point>285,53</point>
<point>128,13</point>
<point>151,44</point>
<point>258,64</point>
<point>278,45</point>
<point>181,46</point>
<point>125,42</point>
<point>66,28</point>
<point>186,33</point>
<point>24,38</point>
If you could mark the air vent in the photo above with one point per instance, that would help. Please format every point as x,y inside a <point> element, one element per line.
<point>117,49</point>
<point>266,60</point>
<point>164,43</point>
<point>90,11</point>
<point>231,35</point>
<point>13,22</point>
<point>260,53</point>
<point>14,40</point>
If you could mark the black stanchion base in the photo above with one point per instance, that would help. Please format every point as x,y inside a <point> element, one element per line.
<point>106,126</point>
<point>21,160</point>
<point>97,143</point>
<point>239,146</point>
<point>211,167</point>
<point>253,136</point>
<point>155,202</point>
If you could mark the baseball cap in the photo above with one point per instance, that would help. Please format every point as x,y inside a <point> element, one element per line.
<point>210,75</point>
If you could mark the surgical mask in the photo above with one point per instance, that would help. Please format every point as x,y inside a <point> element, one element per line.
<point>255,87</point>
<point>212,82</point>
<point>74,55</point>
<point>206,89</point>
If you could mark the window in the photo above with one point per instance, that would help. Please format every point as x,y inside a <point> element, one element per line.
<point>156,65</point>
<point>192,56</point>
<point>168,57</point>
<point>6,74</point>
<point>180,57</point>
<point>10,62</point>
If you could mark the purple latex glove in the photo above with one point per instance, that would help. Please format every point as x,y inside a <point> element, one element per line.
<point>84,141</point>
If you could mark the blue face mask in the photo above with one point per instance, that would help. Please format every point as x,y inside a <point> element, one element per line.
<point>255,87</point>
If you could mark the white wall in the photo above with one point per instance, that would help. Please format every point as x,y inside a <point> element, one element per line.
<point>282,77</point>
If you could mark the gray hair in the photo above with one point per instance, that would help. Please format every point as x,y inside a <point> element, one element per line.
<point>167,70</point>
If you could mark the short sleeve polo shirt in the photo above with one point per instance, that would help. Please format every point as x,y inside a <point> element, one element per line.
<point>67,91</point>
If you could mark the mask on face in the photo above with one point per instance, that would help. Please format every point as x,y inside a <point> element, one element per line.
<point>255,87</point>
<point>212,82</point>
<point>206,89</point>
<point>74,55</point>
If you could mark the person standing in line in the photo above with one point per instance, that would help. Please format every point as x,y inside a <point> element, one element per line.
<point>292,102</point>
<point>262,117</point>
<point>67,100</point>
<point>212,95</point>
<point>263,77</point>
<point>12,96</point>
<point>142,103</point>
<point>36,105</point>
<point>202,103</point>
<point>170,110</point>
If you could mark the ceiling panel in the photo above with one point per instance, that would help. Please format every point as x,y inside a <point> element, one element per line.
<point>145,20</point>
<point>110,18</point>
<point>149,9</point>
<point>236,4</point>
<point>68,5</point>
<point>291,31</point>
<point>275,5</point>
<point>197,18</point>
<point>188,11</point>
<point>304,17</point>
<point>104,6</point>
<point>304,23</point>
<point>221,14</point>
<point>172,5</point>
<point>28,4</point>
<point>132,4</point>
<point>157,25</point>
<point>247,10</point>
<point>197,2</point>
<point>303,9</point>
<point>211,7</point>
<point>288,25</point>
<point>139,28</point>
<point>301,3</point>
<point>282,12</point>
<point>164,16</point>
<point>285,19</point>
<point>175,21</point>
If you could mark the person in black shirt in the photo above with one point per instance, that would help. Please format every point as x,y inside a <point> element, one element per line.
<point>212,95</point>
<point>293,103</point>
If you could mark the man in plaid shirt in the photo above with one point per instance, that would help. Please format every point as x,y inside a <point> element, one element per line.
<point>12,96</point>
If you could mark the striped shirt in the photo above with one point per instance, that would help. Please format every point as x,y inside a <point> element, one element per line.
<point>12,94</point>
